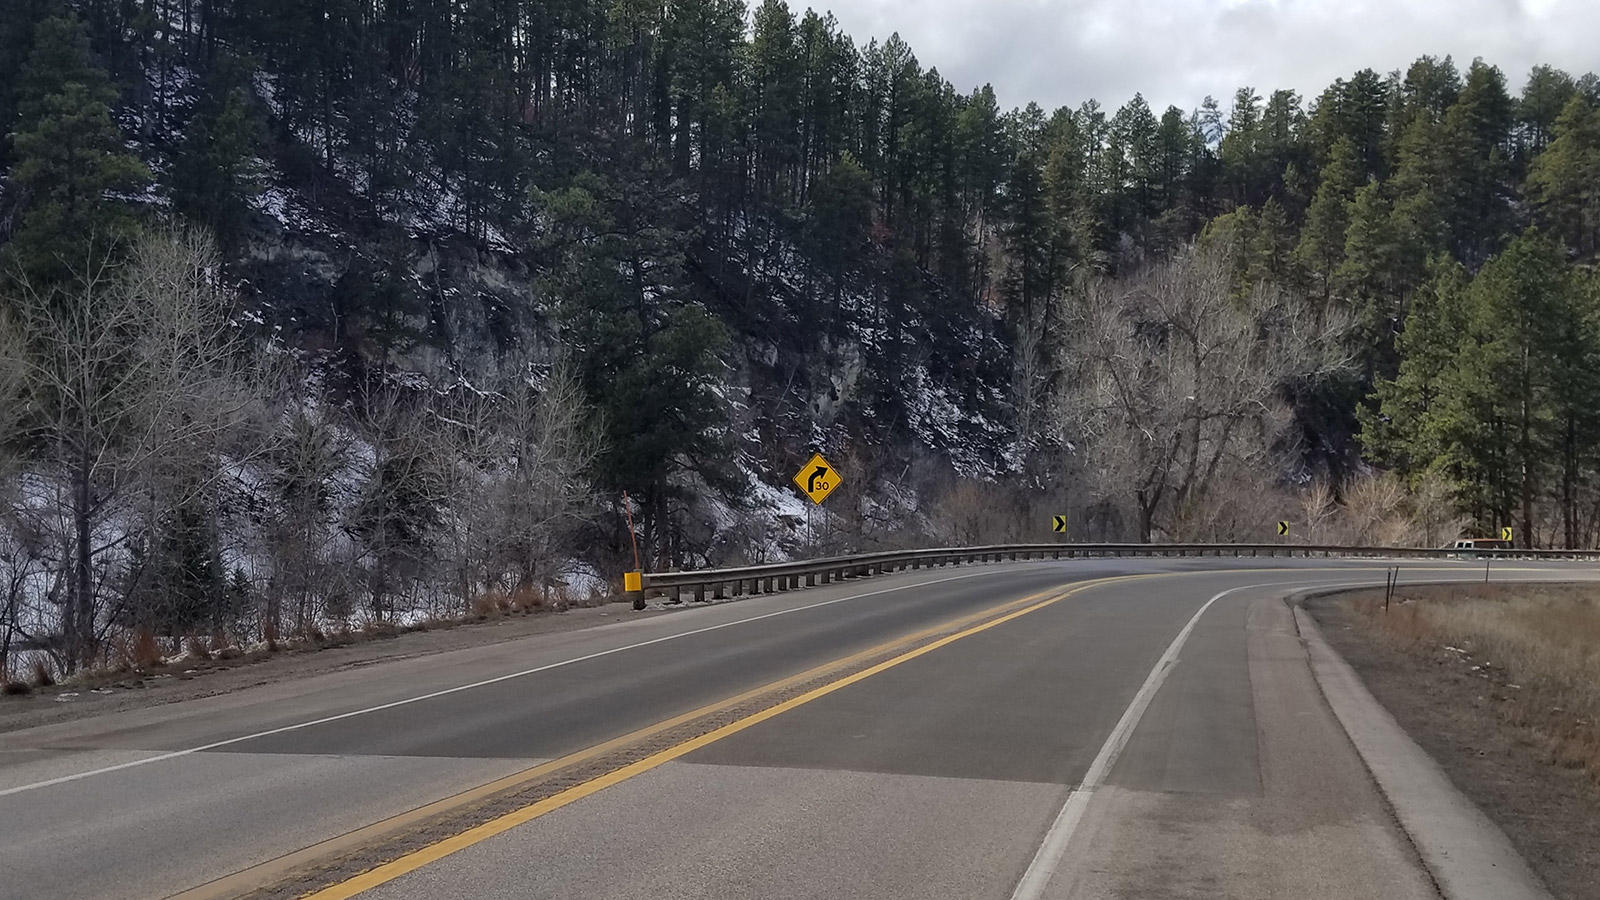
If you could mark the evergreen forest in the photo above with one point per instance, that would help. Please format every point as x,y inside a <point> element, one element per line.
<point>353,311</point>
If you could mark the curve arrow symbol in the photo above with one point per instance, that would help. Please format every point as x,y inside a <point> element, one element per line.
<point>811,480</point>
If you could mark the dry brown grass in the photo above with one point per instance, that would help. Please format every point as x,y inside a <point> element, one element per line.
<point>196,648</point>
<point>146,650</point>
<point>520,601</point>
<point>1537,647</point>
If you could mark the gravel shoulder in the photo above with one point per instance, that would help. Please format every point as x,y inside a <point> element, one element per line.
<point>1456,708</point>
<point>195,679</point>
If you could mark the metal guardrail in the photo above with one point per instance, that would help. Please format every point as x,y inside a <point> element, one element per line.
<point>769,578</point>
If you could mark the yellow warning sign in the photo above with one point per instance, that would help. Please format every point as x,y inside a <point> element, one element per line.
<point>1283,529</point>
<point>1059,524</point>
<point>1505,533</point>
<point>817,478</point>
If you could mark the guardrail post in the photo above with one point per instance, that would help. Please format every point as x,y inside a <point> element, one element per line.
<point>699,593</point>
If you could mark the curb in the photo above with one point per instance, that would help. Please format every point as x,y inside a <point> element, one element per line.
<point>1469,857</point>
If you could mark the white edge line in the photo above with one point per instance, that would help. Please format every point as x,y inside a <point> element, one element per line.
<point>1054,846</point>
<point>175,754</point>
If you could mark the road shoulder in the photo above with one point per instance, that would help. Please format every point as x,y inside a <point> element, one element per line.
<point>1468,855</point>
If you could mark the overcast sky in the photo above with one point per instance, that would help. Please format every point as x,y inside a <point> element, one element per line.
<point>1177,51</point>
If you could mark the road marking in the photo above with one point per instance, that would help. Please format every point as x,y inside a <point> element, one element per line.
<point>389,871</point>
<point>269,872</point>
<point>1054,847</point>
<point>189,751</point>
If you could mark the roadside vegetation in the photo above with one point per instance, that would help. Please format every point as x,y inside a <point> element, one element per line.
<point>381,313</point>
<point>1535,648</point>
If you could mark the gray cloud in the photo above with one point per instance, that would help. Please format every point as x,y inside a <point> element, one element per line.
<point>1062,52</point>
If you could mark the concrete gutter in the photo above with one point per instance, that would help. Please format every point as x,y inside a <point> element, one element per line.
<point>1469,857</point>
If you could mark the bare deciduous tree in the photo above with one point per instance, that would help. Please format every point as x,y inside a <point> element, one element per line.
<point>396,519</point>
<point>542,494</point>
<point>131,374</point>
<point>18,559</point>
<point>303,514</point>
<point>1174,380</point>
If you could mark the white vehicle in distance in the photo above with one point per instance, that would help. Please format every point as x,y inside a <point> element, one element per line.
<point>1468,548</point>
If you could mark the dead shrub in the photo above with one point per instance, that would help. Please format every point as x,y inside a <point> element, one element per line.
<point>196,648</point>
<point>42,676</point>
<point>525,600</point>
<point>146,650</point>
<point>377,629</point>
<point>494,603</point>
<point>15,688</point>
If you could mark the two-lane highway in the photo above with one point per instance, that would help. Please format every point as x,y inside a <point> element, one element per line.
<point>1026,729</point>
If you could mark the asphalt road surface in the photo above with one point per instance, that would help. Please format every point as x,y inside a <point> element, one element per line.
<point>1082,729</point>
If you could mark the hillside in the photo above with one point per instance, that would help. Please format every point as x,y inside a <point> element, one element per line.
<point>460,276</point>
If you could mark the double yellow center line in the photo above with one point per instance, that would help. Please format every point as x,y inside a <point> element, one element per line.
<point>966,627</point>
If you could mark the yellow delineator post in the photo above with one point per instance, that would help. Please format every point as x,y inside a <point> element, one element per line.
<point>633,582</point>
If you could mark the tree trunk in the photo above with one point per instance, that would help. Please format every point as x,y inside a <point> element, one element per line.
<point>80,633</point>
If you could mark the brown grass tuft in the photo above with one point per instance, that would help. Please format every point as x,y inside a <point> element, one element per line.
<point>146,650</point>
<point>197,648</point>
<point>376,629</point>
<point>15,688</point>
<point>42,676</point>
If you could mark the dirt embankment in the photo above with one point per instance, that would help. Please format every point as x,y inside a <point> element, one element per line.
<point>1501,685</point>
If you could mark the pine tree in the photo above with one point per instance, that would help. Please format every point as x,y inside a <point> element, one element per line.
<point>1565,179</point>
<point>1543,100</point>
<point>1322,241</point>
<point>1370,279</point>
<point>835,234</point>
<point>647,352</point>
<point>70,161</point>
<point>1398,420</point>
<point>16,41</point>
<point>1497,420</point>
<point>210,179</point>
